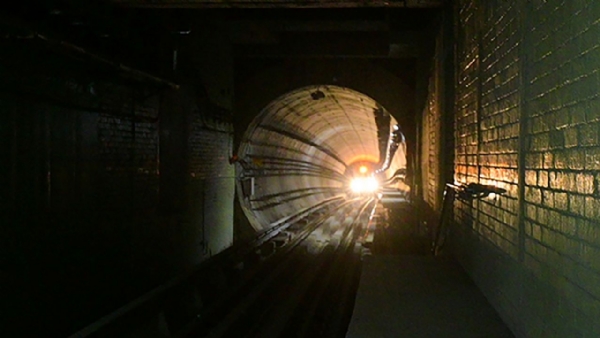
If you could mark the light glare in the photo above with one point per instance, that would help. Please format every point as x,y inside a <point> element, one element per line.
<point>364,184</point>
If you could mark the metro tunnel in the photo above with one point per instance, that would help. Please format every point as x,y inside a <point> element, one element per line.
<point>249,168</point>
<point>307,146</point>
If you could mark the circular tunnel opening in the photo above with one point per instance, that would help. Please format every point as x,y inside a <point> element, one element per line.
<point>307,146</point>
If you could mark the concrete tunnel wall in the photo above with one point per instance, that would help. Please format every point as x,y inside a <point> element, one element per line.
<point>296,151</point>
<point>527,118</point>
<point>260,81</point>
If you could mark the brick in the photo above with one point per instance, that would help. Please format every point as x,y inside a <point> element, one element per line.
<point>592,159</point>
<point>543,216</point>
<point>561,201</point>
<point>577,204</point>
<point>568,225</point>
<point>539,142</point>
<point>556,139</point>
<point>571,137</point>
<point>531,211</point>
<point>533,195</point>
<point>510,175</point>
<point>572,181</point>
<point>585,183</point>
<point>543,179</point>
<point>589,134</point>
<point>548,160</point>
<point>531,261</point>
<point>549,240</point>
<point>537,232</point>
<point>573,159</point>
<point>592,208</point>
<point>548,198</point>
<point>537,124</point>
<point>534,161</point>
<point>577,159</point>
<point>559,180</point>
<point>531,177</point>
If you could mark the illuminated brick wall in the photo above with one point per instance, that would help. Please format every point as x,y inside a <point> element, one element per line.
<point>528,120</point>
<point>431,141</point>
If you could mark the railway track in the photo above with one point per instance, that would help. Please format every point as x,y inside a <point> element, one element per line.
<point>298,279</point>
<point>307,288</point>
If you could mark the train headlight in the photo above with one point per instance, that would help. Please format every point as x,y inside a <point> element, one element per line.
<point>361,185</point>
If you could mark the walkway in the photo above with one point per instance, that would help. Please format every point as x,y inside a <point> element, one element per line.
<point>420,296</point>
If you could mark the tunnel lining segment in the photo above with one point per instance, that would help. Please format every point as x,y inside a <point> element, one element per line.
<point>305,140</point>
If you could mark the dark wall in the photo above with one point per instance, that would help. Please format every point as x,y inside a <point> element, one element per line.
<point>107,187</point>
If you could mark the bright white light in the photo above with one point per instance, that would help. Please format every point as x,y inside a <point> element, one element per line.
<point>364,185</point>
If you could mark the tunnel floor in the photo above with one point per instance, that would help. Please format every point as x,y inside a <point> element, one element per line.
<point>375,281</point>
<point>405,291</point>
<point>420,296</point>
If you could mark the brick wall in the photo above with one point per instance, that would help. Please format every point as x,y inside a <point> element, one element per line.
<point>128,154</point>
<point>210,141</point>
<point>82,141</point>
<point>527,119</point>
<point>81,228</point>
<point>431,140</point>
<point>436,148</point>
<point>74,179</point>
